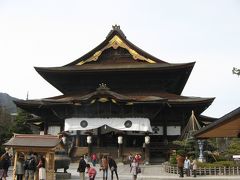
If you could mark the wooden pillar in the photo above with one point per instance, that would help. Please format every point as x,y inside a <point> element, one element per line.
<point>50,166</point>
<point>120,147</point>
<point>98,137</point>
<point>89,142</point>
<point>89,150</point>
<point>77,139</point>
<point>147,154</point>
<point>45,127</point>
<point>14,165</point>
<point>147,145</point>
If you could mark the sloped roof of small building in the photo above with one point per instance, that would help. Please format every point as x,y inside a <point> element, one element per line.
<point>33,140</point>
<point>226,126</point>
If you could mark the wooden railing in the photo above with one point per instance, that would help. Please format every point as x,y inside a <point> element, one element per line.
<point>207,171</point>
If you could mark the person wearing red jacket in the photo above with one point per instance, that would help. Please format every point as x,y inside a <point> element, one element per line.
<point>91,172</point>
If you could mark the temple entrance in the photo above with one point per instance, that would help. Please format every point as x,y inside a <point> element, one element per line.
<point>109,140</point>
<point>109,136</point>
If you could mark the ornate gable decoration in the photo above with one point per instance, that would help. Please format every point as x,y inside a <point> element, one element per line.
<point>114,43</point>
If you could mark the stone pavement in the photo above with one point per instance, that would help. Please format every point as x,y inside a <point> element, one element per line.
<point>151,172</point>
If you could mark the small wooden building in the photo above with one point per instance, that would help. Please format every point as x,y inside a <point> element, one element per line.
<point>41,144</point>
<point>226,126</point>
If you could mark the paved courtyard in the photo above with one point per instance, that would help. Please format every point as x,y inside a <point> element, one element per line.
<point>151,172</point>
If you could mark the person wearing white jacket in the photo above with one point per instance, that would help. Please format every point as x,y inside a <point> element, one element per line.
<point>187,165</point>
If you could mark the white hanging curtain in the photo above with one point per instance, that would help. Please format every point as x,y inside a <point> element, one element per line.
<point>122,124</point>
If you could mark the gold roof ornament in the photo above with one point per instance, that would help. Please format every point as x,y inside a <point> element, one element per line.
<point>115,43</point>
<point>102,86</point>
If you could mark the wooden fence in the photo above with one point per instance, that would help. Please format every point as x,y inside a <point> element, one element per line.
<point>207,171</point>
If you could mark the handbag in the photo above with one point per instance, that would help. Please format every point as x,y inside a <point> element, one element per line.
<point>112,168</point>
<point>139,170</point>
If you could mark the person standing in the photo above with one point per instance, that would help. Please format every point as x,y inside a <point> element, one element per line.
<point>20,167</point>
<point>187,166</point>
<point>81,168</point>
<point>91,172</point>
<point>30,167</point>
<point>6,162</point>
<point>113,167</point>
<point>41,169</point>
<point>1,168</point>
<point>104,167</point>
<point>134,168</point>
<point>194,167</point>
<point>180,163</point>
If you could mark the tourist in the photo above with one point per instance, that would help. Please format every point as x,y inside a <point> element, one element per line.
<point>104,167</point>
<point>41,169</point>
<point>180,163</point>
<point>30,167</point>
<point>81,168</point>
<point>134,169</point>
<point>138,158</point>
<point>113,167</point>
<point>130,158</point>
<point>1,169</point>
<point>194,167</point>
<point>94,159</point>
<point>91,172</point>
<point>187,165</point>
<point>20,167</point>
<point>85,157</point>
<point>6,162</point>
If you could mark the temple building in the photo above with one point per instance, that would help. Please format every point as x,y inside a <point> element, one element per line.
<point>118,90</point>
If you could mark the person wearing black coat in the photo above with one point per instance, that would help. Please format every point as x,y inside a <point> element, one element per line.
<point>81,168</point>
<point>113,167</point>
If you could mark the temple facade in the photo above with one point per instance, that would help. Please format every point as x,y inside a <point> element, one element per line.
<point>120,97</point>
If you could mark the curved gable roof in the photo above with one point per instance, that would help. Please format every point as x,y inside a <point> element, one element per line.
<point>116,39</point>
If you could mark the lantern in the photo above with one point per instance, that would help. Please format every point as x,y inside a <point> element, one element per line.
<point>120,139</point>
<point>89,139</point>
<point>147,139</point>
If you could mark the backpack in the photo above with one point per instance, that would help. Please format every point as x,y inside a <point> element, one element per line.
<point>31,164</point>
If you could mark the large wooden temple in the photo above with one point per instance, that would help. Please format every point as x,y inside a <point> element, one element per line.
<point>118,89</point>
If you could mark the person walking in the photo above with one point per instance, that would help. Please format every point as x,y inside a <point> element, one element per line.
<point>180,164</point>
<point>91,172</point>
<point>138,158</point>
<point>81,168</point>
<point>187,165</point>
<point>20,167</point>
<point>194,167</point>
<point>94,159</point>
<point>113,167</point>
<point>134,169</point>
<point>130,158</point>
<point>104,167</point>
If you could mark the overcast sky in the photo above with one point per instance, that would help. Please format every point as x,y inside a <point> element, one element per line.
<point>48,33</point>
